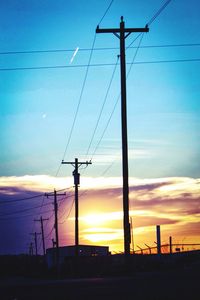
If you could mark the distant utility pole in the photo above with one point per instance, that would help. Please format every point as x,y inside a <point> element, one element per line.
<point>132,238</point>
<point>76,175</point>
<point>31,249</point>
<point>170,245</point>
<point>41,220</point>
<point>122,33</point>
<point>56,220</point>
<point>35,234</point>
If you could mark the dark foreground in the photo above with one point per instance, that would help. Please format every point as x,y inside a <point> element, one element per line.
<point>155,285</point>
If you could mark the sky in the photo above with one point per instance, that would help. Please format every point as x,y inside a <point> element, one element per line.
<point>54,107</point>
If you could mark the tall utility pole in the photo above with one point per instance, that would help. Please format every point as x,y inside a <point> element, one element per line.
<point>35,234</point>
<point>56,221</point>
<point>76,175</point>
<point>41,220</point>
<point>122,33</point>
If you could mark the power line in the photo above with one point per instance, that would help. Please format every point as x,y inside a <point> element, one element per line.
<point>29,198</point>
<point>23,210</point>
<point>100,65</point>
<point>109,6</point>
<point>78,106</point>
<point>99,48</point>
<point>131,64</point>
<point>116,102</point>
<point>25,216</point>
<point>158,12</point>
<point>102,107</point>
<point>22,199</point>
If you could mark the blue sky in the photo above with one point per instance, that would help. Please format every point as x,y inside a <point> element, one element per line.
<point>38,106</point>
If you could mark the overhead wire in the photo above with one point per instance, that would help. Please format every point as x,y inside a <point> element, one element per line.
<point>106,11</point>
<point>23,210</point>
<point>101,65</point>
<point>158,12</point>
<point>100,48</point>
<point>82,89</point>
<point>102,107</point>
<point>30,198</point>
<point>133,62</point>
<point>116,102</point>
<point>78,105</point>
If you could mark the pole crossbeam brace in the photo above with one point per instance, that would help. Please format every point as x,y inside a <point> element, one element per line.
<point>122,33</point>
<point>76,164</point>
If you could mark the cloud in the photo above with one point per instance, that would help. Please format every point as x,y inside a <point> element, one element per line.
<point>171,202</point>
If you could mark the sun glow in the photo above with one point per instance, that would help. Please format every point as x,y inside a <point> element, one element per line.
<point>96,219</point>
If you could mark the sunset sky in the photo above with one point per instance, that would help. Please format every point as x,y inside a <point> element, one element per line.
<point>53,107</point>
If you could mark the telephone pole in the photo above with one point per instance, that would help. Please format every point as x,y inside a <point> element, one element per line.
<point>41,220</point>
<point>31,249</point>
<point>122,33</point>
<point>56,221</point>
<point>35,234</point>
<point>76,164</point>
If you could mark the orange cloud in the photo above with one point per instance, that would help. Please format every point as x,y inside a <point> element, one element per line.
<point>171,202</point>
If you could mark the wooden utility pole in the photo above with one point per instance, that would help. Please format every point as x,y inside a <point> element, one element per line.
<point>35,234</point>
<point>170,245</point>
<point>132,237</point>
<point>56,221</point>
<point>41,220</point>
<point>122,33</point>
<point>76,164</point>
<point>31,249</point>
<point>158,239</point>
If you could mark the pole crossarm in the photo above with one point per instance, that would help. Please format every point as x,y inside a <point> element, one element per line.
<point>78,163</point>
<point>117,30</point>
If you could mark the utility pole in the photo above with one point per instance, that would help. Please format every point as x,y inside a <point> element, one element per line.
<point>76,164</point>
<point>158,239</point>
<point>35,234</point>
<point>170,245</point>
<point>132,238</point>
<point>122,33</point>
<point>42,230</point>
<point>31,249</point>
<point>56,221</point>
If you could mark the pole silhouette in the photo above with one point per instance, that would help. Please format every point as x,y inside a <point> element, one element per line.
<point>56,221</point>
<point>35,234</point>
<point>41,220</point>
<point>76,164</point>
<point>122,33</point>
